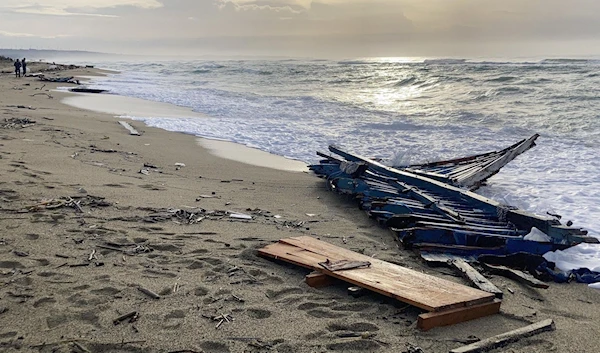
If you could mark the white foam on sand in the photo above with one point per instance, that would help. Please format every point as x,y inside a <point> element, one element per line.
<point>127,106</point>
<point>253,156</point>
<point>140,109</point>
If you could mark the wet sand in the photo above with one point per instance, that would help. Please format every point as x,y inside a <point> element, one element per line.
<point>83,230</point>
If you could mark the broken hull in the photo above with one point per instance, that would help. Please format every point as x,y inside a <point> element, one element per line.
<point>471,172</point>
<point>420,210</point>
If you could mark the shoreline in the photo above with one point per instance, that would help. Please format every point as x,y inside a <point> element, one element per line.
<point>69,287</point>
<point>135,108</point>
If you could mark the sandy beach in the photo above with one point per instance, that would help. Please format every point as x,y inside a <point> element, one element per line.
<point>88,216</point>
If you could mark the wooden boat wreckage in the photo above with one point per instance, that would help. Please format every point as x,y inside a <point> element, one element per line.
<point>426,212</point>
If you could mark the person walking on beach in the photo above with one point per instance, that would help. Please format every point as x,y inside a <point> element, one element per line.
<point>17,68</point>
<point>24,64</point>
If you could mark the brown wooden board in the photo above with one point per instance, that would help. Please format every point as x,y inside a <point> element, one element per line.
<point>419,289</point>
<point>430,320</point>
<point>318,280</point>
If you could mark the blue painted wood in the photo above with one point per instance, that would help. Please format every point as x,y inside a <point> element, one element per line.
<point>438,213</point>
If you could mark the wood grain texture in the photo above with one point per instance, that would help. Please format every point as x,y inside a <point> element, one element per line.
<point>430,320</point>
<point>419,289</point>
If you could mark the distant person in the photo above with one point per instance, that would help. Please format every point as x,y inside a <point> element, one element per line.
<point>24,64</point>
<point>17,68</point>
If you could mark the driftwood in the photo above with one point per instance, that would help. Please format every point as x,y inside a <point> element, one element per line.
<point>129,128</point>
<point>87,90</point>
<point>476,278</point>
<point>132,316</point>
<point>149,293</point>
<point>58,79</point>
<point>16,123</point>
<point>506,338</point>
<point>517,275</point>
<point>45,94</point>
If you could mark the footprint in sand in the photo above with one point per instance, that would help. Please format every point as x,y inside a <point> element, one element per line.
<point>165,247</point>
<point>152,187</point>
<point>115,347</point>
<point>325,313</point>
<point>284,293</point>
<point>211,261</point>
<point>196,265</point>
<point>43,262</point>
<point>174,320</point>
<point>44,301</point>
<point>354,327</point>
<point>11,264</point>
<point>56,320</point>
<point>8,195</point>
<point>200,291</point>
<point>311,305</point>
<point>89,317</point>
<point>258,313</point>
<point>214,347</point>
<point>354,345</point>
<point>159,273</point>
<point>354,307</point>
<point>105,291</point>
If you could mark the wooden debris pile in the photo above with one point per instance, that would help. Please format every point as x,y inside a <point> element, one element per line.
<point>16,123</point>
<point>75,202</point>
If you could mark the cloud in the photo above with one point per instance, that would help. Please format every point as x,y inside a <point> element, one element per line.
<point>56,12</point>
<point>73,7</point>
<point>15,34</point>
<point>97,4</point>
<point>252,5</point>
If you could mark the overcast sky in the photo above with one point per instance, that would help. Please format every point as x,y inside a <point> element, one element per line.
<point>323,28</point>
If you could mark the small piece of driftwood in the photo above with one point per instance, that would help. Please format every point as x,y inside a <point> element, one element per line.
<point>129,128</point>
<point>87,90</point>
<point>476,278</point>
<point>132,316</point>
<point>149,293</point>
<point>517,275</point>
<point>506,338</point>
<point>44,94</point>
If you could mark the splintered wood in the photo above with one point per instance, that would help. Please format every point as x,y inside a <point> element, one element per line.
<point>448,302</point>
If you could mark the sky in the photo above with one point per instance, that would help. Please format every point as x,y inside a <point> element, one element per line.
<point>307,28</point>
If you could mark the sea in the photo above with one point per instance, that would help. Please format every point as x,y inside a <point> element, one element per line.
<point>404,111</point>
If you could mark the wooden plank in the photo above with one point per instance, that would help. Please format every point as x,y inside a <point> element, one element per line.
<point>517,275</point>
<point>318,279</point>
<point>506,338</point>
<point>417,288</point>
<point>476,278</point>
<point>413,287</point>
<point>129,128</point>
<point>428,321</point>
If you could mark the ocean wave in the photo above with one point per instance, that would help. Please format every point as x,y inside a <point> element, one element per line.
<point>502,79</point>
<point>565,61</point>
<point>444,61</point>
<point>354,62</point>
<point>405,82</point>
